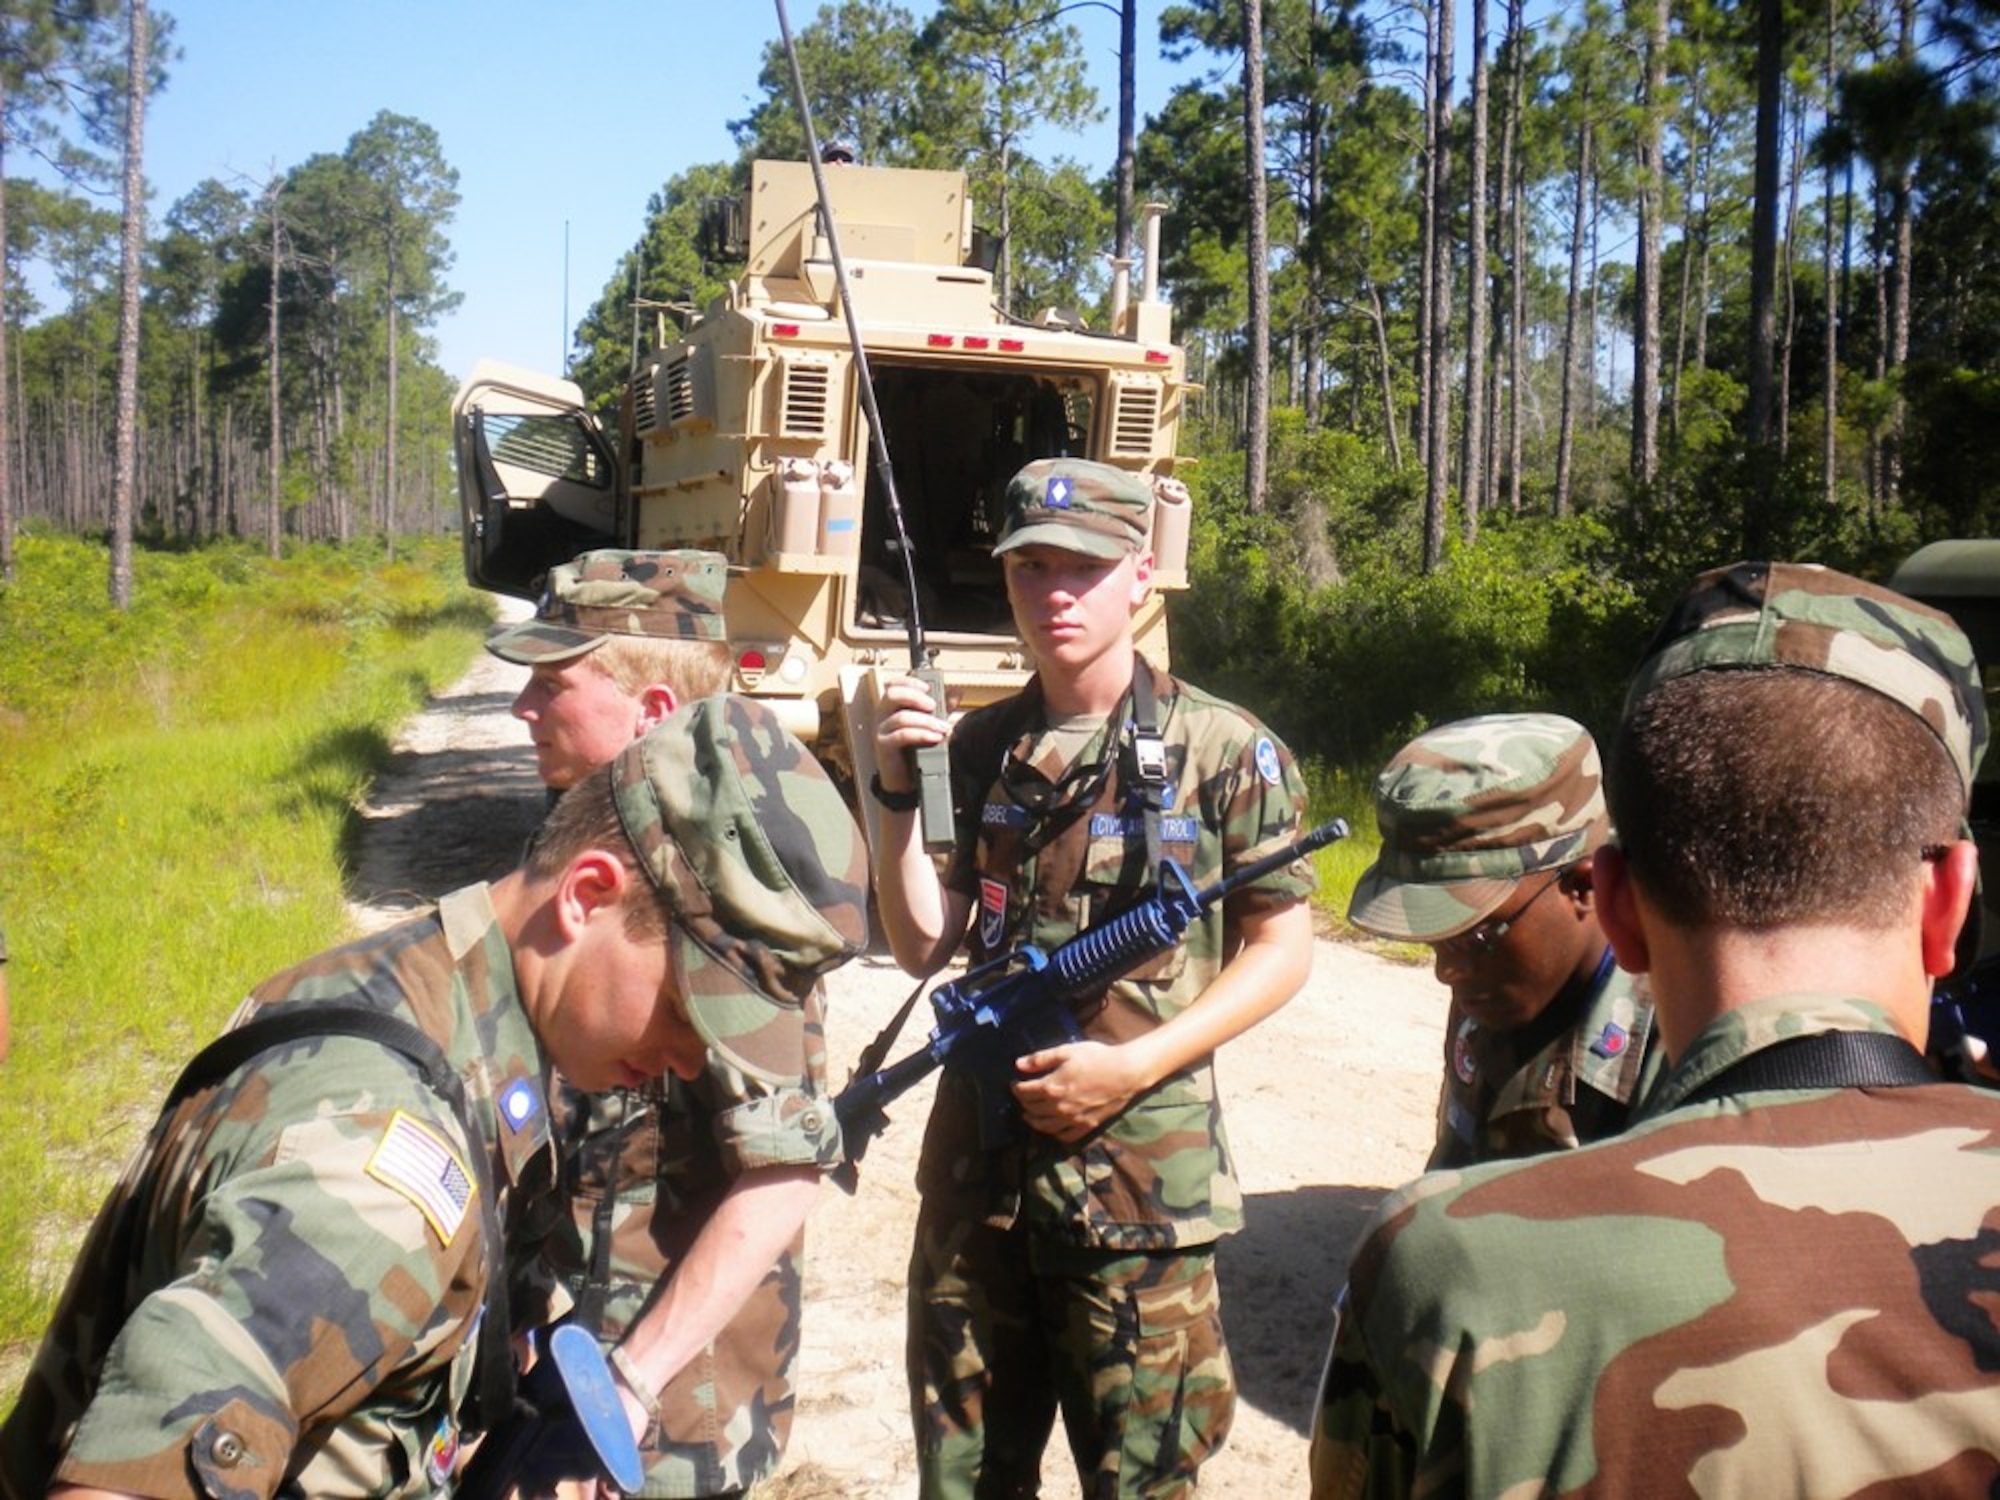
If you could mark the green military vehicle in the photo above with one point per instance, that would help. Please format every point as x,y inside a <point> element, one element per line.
<point>1962,578</point>
<point>747,436</point>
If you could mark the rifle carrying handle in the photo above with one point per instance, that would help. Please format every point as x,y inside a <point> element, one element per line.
<point>934,816</point>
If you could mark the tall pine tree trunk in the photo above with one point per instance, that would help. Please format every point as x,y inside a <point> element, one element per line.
<point>132,240</point>
<point>1437,412</point>
<point>1764,270</point>
<point>1572,318</point>
<point>1652,203</point>
<point>1478,291</point>
<point>1829,416</point>
<point>1257,427</point>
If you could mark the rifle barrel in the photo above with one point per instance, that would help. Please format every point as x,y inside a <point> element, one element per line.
<point>1328,832</point>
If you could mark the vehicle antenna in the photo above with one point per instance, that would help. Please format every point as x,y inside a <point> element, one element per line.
<point>933,772</point>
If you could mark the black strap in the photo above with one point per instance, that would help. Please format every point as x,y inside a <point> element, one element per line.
<point>610,1150</point>
<point>1147,771</point>
<point>1825,1060</point>
<point>492,1394</point>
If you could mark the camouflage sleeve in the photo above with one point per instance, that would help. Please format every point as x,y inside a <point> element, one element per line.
<point>1358,1449</point>
<point>1262,808</point>
<point>764,1125</point>
<point>329,1244</point>
<point>783,1127</point>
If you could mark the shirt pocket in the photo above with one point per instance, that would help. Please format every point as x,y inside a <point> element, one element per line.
<point>1114,868</point>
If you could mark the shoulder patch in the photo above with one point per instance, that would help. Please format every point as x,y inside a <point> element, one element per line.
<point>520,1102</point>
<point>1267,760</point>
<point>420,1164</point>
<point>992,912</point>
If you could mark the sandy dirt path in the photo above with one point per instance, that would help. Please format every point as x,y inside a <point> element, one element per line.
<point>1329,1103</point>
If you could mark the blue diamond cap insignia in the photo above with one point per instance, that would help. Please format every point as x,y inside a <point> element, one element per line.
<point>1056,495</point>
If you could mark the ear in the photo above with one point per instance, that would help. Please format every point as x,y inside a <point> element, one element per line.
<point>1142,577</point>
<point>1617,902</point>
<point>1949,889</point>
<point>592,883</point>
<point>657,702</point>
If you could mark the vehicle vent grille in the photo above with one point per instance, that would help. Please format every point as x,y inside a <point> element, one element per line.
<point>808,389</point>
<point>1135,419</point>
<point>645,411</point>
<point>677,390</point>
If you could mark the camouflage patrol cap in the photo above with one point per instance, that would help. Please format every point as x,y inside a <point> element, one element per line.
<point>1804,616</point>
<point>1466,810</point>
<point>1079,506</point>
<point>659,595</point>
<point>762,867</point>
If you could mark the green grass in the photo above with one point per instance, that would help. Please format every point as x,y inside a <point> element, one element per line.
<point>174,786</point>
<point>1347,792</point>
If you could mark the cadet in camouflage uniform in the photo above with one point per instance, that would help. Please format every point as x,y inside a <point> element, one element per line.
<point>281,1291</point>
<point>1487,830</point>
<point>1077,1267</point>
<point>1782,1279</point>
<point>657,1180</point>
<point>618,641</point>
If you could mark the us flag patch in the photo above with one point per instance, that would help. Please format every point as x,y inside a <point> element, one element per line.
<point>420,1164</point>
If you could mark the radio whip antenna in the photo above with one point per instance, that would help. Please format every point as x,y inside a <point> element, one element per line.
<point>933,767</point>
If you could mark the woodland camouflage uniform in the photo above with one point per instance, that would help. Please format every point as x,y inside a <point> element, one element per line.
<point>1046,1271</point>
<point>1755,1290</point>
<point>1469,811</point>
<point>320,1200</point>
<point>280,1289</point>
<point>668,1154</point>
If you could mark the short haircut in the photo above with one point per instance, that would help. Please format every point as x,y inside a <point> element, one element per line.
<point>1761,799</point>
<point>586,817</point>
<point>693,669</point>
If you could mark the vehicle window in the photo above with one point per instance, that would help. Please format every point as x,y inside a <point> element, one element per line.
<point>552,445</point>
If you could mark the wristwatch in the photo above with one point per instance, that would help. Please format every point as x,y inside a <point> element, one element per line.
<point>894,801</point>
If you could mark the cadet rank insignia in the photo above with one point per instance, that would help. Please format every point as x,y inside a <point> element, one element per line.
<point>421,1165</point>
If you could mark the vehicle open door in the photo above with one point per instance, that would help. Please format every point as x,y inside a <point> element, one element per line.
<point>537,478</point>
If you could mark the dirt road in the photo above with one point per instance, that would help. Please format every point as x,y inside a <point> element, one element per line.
<point>1329,1103</point>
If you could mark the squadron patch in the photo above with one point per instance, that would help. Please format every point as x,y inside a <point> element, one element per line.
<point>1611,1041</point>
<point>992,912</point>
<point>421,1165</point>
<point>441,1454</point>
<point>1463,1063</point>
<point>1267,761</point>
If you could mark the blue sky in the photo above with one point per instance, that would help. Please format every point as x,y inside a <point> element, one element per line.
<point>561,122</point>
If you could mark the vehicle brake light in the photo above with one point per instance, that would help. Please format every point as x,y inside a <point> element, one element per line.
<point>784,330</point>
<point>975,341</point>
<point>1012,346</point>
<point>750,664</point>
<point>1158,357</point>
<point>939,341</point>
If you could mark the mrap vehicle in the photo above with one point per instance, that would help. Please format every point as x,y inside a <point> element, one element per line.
<point>747,436</point>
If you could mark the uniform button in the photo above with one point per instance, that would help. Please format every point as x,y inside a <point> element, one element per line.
<point>226,1450</point>
<point>809,1121</point>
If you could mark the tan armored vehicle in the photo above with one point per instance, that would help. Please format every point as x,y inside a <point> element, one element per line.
<point>747,436</point>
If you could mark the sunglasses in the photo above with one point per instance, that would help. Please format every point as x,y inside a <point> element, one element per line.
<point>1481,940</point>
